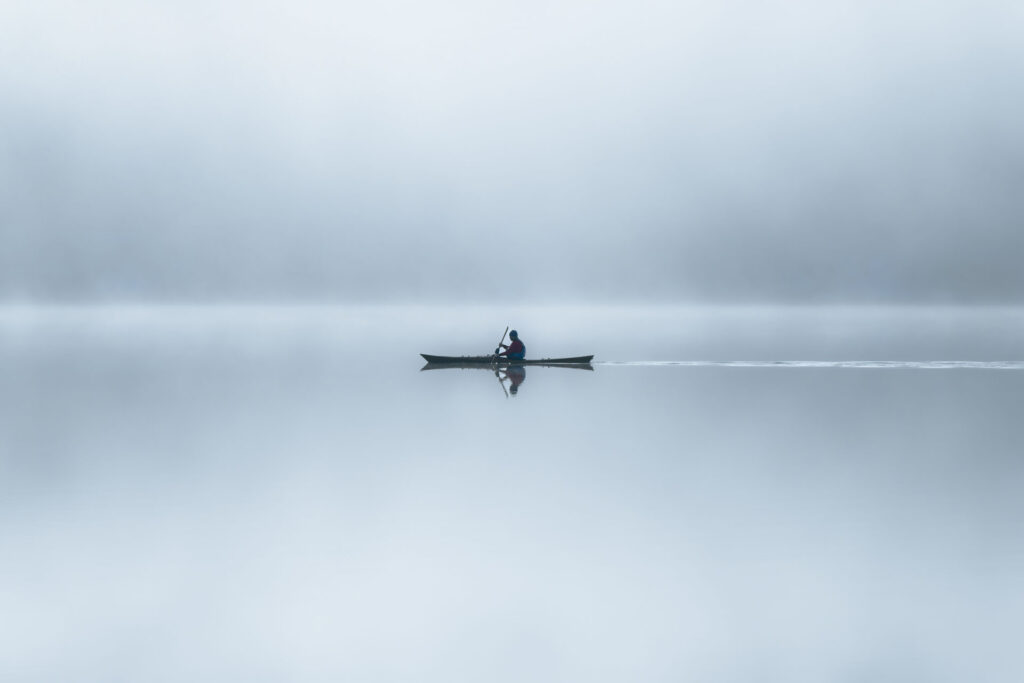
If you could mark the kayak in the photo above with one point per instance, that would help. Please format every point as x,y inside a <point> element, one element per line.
<point>500,360</point>
<point>505,366</point>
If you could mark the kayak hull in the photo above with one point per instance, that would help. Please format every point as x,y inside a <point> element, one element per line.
<point>505,366</point>
<point>500,360</point>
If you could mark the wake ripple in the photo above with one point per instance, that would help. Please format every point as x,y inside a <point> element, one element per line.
<point>872,364</point>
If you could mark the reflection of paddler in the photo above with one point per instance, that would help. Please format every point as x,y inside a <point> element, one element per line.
<point>516,375</point>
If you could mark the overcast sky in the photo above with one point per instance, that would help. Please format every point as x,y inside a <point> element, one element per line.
<point>809,150</point>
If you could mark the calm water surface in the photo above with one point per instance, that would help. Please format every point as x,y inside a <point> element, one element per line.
<point>280,494</point>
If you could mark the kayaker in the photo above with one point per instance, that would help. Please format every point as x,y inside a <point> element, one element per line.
<point>516,350</point>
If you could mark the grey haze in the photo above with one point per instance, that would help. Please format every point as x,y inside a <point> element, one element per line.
<point>689,151</point>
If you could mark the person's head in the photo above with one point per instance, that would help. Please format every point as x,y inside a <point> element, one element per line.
<point>513,335</point>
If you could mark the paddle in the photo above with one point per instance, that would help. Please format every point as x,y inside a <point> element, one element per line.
<point>498,350</point>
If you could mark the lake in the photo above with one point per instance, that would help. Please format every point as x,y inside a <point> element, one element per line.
<point>730,494</point>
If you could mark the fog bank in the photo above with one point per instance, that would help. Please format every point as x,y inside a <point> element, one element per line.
<point>729,151</point>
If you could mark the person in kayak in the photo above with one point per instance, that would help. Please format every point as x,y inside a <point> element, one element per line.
<point>514,351</point>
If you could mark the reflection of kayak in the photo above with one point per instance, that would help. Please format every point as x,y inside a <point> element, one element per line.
<point>476,361</point>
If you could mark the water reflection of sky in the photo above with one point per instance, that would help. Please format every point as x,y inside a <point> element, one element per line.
<point>281,494</point>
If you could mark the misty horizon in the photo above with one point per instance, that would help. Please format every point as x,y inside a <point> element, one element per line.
<point>791,152</point>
